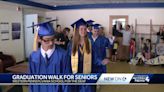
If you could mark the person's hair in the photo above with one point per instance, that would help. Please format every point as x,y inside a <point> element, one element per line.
<point>102,28</point>
<point>145,44</point>
<point>41,37</point>
<point>114,27</point>
<point>116,42</point>
<point>121,27</point>
<point>66,29</point>
<point>142,38</point>
<point>58,25</point>
<point>89,27</point>
<point>162,38</point>
<point>76,40</point>
<point>133,39</point>
<point>128,26</point>
<point>148,40</point>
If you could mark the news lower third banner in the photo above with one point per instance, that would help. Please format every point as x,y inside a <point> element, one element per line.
<point>81,79</point>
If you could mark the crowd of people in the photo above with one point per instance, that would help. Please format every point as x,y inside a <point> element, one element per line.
<point>84,52</point>
<point>87,51</point>
<point>149,54</point>
<point>129,44</point>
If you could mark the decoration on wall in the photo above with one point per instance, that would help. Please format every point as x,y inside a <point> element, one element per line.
<point>16,27</point>
<point>18,8</point>
<point>4,31</point>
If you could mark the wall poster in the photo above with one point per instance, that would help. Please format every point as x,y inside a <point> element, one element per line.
<point>4,31</point>
<point>16,27</point>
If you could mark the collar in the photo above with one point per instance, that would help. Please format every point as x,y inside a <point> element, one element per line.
<point>94,38</point>
<point>48,52</point>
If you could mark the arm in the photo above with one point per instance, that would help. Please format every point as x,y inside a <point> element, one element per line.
<point>30,71</point>
<point>96,60</point>
<point>66,64</point>
<point>31,67</point>
<point>107,43</point>
<point>134,52</point>
<point>107,47</point>
<point>67,59</point>
<point>67,67</point>
<point>122,31</point>
<point>132,29</point>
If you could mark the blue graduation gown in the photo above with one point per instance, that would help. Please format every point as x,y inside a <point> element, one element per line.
<point>78,88</point>
<point>99,48</point>
<point>89,34</point>
<point>55,65</point>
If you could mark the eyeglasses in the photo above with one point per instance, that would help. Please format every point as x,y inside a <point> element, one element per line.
<point>47,41</point>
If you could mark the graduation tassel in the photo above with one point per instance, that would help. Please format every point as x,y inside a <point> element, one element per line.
<point>74,29</point>
<point>35,44</point>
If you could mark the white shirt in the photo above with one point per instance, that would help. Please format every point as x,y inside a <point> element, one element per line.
<point>111,39</point>
<point>94,38</point>
<point>160,49</point>
<point>48,52</point>
<point>126,37</point>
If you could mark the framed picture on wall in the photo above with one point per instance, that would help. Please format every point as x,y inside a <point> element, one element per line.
<point>4,30</point>
<point>16,27</point>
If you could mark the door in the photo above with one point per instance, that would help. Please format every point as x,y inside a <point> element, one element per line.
<point>29,32</point>
<point>118,18</point>
<point>123,20</point>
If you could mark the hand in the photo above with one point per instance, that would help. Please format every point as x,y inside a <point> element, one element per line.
<point>105,61</point>
<point>132,29</point>
<point>57,42</point>
<point>61,43</point>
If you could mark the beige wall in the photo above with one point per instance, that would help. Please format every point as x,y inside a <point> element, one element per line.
<point>12,47</point>
<point>67,17</point>
<point>40,12</point>
<point>9,13</point>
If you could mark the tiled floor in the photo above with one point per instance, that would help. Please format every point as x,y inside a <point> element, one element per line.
<point>124,67</point>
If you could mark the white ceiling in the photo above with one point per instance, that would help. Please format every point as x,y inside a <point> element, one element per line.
<point>82,2</point>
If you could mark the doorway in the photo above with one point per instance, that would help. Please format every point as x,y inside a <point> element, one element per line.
<point>29,32</point>
<point>123,19</point>
<point>118,23</point>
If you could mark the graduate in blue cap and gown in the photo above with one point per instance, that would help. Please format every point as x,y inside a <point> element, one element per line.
<point>89,27</point>
<point>80,55</point>
<point>48,59</point>
<point>100,45</point>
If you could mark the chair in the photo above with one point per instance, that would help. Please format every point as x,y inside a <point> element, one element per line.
<point>6,61</point>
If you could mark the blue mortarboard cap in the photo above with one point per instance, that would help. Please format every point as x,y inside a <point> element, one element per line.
<point>45,28</point>
<point>96,26</point>
<point>79,23</point>
<point>90,22</point>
